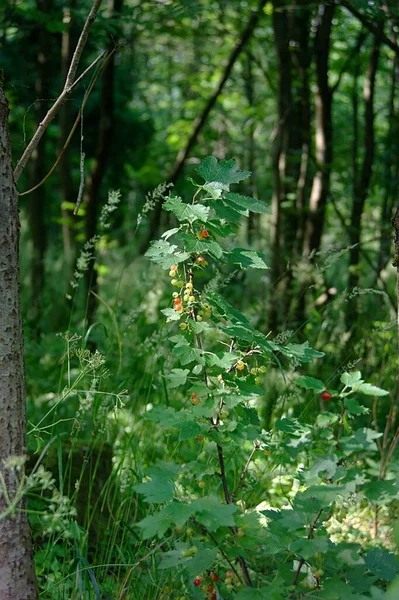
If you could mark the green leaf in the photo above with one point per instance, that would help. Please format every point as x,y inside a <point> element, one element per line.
<point>263,593</point>
<point>156,491</point>
<point>188,354</point>
<point>202,246</point>
<point>246,258</point>
<point>171,314</point>
<point>302,352</point>
<point>350,379</point>
<point>211,513</point>
<point>188,430</point>
<point>380,491</point>
<point>222,360</point>
<point>161,487</point>
<point>177,377</point>
<point>186,212</point>
<point>362,440</point>
<point>247,203</point>
<point>224,172</point>
<point>354,408</point>
<point>154,525</point>
<point>382,563</point>
<point>165,255</point>
<point>170,232</point>
<point>370,390</point>
<point>198,327</point>
<point>310,383</point>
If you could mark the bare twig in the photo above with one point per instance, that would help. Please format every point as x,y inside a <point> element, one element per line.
<point>245,469</point>
<point>372,26</point>
<point>78,118</point>
<point>64,94</point>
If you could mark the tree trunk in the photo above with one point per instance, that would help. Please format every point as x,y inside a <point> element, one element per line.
<point>95,177</point>
<point>362,184</point>
<point>290,149</point>
<point>321,180</point>
<point>68,43</point>
<point>37,199</point>
<point>17,576</point>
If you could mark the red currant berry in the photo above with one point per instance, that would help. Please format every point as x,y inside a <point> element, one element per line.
<point>214,576</point>
<point>204,233</point>
<point>326,395</point>
<point>197,581</point>
<point>213,597</point>
<point>177,301</point>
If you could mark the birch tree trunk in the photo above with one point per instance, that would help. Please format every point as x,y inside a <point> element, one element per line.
<point>17,576</point>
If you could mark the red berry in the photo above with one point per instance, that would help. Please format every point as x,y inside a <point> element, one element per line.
<point>326,395</point>
<point>197,581</point>
<point>177,301</point>
<point>213,597</point>
<point>204,233</point>
<point>178,307</point>
<point>214,576</point>
<point>200,260</point>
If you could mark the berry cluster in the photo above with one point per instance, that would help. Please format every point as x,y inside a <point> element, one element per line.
<point>207,583</point>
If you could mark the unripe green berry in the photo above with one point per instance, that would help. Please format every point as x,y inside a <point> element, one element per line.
<point>258,380</point>
<point>174,282</point>
<point>262,369</point>
<point>199,318</point>
<point>191,299</point>
<point>175,294</point>
<point>180,284</point>
<point>183,326</point>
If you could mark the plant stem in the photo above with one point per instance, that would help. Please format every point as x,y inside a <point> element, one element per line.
<point>302,561</point>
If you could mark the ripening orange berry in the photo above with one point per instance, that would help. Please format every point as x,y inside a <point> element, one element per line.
<point>240,366</point>
<point>204,233</point>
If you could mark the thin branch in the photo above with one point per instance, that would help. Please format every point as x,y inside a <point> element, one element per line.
<point>214,540</point>
<point>62,97</point>
<point>355,50</point>
<point>372,26</point>
<point>245,469</point>
<point>78,118</point>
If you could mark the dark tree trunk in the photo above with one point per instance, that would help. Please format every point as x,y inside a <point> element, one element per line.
<point>17,576</point>
<point>37,199</point>
<point>321,180</point>
<point>95,177</point>
<point>68,42</point>
<point>391,154</point>
<point>362,183</point>
<point>253,219</point>
<point>290,149</point>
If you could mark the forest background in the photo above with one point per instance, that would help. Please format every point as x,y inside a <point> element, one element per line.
<point>304,96</point>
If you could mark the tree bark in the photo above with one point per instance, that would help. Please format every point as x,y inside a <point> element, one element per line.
<point>66,184</point>
<point>37,201</point>
<point>362,184</point>
<point>96,174</point>
<point>290,149</point>
<point>17,575</point>
<point>324,147</point>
